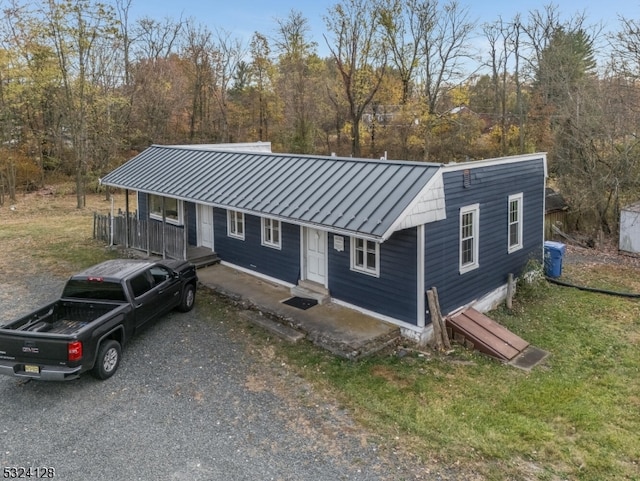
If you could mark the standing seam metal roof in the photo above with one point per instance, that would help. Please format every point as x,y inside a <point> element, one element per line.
<point>361,196</point>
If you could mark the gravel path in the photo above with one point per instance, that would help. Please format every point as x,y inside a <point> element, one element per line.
<point>192,400</point>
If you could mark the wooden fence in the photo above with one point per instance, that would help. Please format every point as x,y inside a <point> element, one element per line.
<point>153,237</point>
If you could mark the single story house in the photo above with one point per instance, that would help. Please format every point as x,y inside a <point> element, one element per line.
<point>373,235</point>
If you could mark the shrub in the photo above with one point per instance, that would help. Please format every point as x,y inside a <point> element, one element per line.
<point>531,283</point>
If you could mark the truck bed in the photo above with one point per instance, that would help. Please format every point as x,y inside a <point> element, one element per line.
<point>62,326</point>
<point>62,317</point>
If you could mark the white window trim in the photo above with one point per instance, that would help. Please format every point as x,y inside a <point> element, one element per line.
<point>155,216</point>
<point>264,221</point>
<point>231,224</point>
<point>365,270</point>
<point>518,246</point>
<point>475,210</point>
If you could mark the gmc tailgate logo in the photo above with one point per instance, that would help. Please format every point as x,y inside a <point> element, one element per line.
<point>30,350</point>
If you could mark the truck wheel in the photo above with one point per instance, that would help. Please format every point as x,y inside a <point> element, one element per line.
<point>188,298</point>
<point>108,359</point>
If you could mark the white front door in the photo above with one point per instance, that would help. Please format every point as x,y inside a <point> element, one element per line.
<point>316,255</point>
<point>205,226</point>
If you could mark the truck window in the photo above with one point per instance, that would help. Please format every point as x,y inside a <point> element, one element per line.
<point>91,289</point>
<point>141,284</point>
<point>160,274</point>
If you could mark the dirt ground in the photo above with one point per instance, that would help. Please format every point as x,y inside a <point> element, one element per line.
<point>607,253</point>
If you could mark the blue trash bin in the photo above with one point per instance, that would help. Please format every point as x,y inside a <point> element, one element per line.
<point>553,254</point>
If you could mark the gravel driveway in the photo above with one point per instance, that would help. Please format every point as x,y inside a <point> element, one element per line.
<point>192,400</point>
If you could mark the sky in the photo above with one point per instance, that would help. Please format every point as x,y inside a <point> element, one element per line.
<point>242,18</point>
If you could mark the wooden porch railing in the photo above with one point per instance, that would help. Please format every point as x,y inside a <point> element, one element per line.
<point>153,237</point>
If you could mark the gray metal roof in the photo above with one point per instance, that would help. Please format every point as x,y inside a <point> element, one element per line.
<point>371,198</point>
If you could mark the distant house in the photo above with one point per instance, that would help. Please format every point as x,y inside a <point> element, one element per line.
<point>371,234</point>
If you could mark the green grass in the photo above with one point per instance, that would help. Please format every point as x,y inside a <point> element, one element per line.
<point>48,234</point>
<point>577,417</point>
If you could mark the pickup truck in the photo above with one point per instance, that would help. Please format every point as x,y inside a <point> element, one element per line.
<point>100,310</point>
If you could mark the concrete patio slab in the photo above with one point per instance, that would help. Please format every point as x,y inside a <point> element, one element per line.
<point>345,332</point>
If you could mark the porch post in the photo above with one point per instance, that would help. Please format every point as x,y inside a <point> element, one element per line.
<point>126,222</point>
<point>148,223</point>
<point>164,234</point>
<point>185,230</point>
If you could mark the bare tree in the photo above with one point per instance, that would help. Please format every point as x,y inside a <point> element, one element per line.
<point>77,28</point>
<point>229,53</point>
<point>445,47</point>
<point>156,39</point>
<point>502,41</point>
<point>122,9</point>
<point>156,84</point>
<point>262,73</point>
<point>197,51</point>
<point>298,67</point>
<point>406,23</point>
<point>360,56</point>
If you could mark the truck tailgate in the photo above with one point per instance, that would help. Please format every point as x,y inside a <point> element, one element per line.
<point>32,347</point>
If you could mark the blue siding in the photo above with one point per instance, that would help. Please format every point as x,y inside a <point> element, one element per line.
<point>490,187</point>
<point>394,292</point>
<point>283,264</point>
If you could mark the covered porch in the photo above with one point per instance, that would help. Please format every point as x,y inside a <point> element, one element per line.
<point>151,237</point>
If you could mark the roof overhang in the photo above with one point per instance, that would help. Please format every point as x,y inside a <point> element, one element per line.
<point>428,206</point>
<point>289,220</point>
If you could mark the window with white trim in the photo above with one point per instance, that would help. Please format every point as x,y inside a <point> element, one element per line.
<point>271,233</point>
<point>365,256</point>
<point>172,209</point>
<point>469,237</point>
<point>235,224</point>
<point>515,222</point>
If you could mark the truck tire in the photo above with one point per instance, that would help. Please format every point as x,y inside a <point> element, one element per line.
<point>108,359</point>
<point>188,298</point>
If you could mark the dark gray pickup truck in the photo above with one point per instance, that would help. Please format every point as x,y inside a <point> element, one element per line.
<point>100,309</point>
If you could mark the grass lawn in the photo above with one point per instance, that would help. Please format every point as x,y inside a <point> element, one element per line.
<point>576,417</point>
<point>45,232</point>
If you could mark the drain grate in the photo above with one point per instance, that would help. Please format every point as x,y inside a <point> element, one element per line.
<point>529,358</point>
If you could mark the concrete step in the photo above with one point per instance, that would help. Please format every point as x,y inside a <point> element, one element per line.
<point>279,329</point>
<point>205,261</point>
<point>311,290</point>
